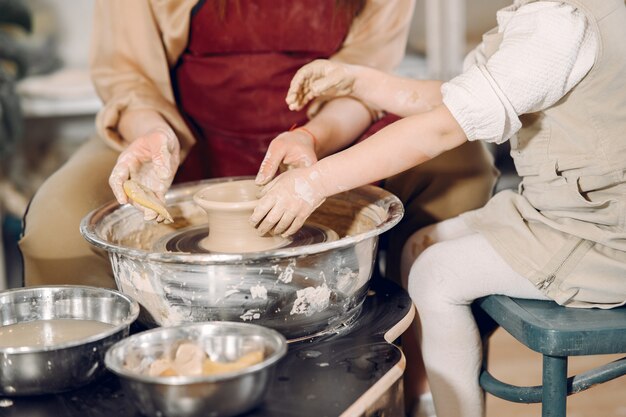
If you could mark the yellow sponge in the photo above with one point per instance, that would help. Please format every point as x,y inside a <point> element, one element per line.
<point>146,197</point>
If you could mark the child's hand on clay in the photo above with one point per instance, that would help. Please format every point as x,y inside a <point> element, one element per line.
<point>288,201</point>
<point>293,149</point>
<point>150,160</point>
<point>320,78</point>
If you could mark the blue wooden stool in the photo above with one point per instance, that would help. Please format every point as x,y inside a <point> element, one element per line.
<point>556,332</point>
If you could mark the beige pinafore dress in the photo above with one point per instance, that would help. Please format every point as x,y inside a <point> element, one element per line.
<point>565,228</point>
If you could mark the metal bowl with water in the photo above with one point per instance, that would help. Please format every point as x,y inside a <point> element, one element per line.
<point>300,290</point>
<point>28,370</point>
<point>219,395</point>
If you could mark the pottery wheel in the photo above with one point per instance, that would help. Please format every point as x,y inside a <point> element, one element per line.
<point>188,240</point>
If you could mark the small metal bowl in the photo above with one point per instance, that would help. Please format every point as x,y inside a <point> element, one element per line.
<point>64,366</point>
<point>220,395</point>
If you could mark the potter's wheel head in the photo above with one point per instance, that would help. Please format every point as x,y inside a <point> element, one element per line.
<point>189,240</point>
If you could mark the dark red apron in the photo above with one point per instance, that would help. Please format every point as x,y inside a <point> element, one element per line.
<point>231,81</point>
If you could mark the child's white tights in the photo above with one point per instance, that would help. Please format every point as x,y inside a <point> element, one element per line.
<point>456,266</point>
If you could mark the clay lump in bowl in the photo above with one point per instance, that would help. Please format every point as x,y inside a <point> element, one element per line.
<point>220,369</point>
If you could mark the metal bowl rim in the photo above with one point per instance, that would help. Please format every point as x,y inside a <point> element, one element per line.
<point>132,316</point>
<point>111,364</point>
<point>395,212</point>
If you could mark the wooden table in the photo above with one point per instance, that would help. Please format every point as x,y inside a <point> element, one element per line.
<point>354,373</point>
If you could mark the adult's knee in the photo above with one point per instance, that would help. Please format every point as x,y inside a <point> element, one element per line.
<point>52,247</point>
<point>54,252</point>
<point>52,221</point>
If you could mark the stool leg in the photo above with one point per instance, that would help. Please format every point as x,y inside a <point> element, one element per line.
<point>554,393</point>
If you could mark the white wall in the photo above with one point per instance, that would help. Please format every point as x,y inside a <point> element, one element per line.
<point>69,23</point>
<point>480,17</point>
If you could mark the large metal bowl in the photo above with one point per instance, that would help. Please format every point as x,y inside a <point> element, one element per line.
<point>219,395</point>
<point>299,291</point>
<point>60,367</point>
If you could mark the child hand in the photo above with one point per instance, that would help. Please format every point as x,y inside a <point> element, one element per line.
<point>150,160</point>
<point>320,78</point>
<point>288,201</point>
<point>295,149</point>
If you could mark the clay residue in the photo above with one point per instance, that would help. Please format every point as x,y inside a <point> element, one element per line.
<point>286,276</point>
<point>258,291</point>
<point>311,300</point>
<point>347,280</point>
<point>249,315</point>
<point>304,191</point>
<point>6,402</point>
<point>133,278</point>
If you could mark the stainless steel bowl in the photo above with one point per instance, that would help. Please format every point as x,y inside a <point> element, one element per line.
<point>220,395</point>
<point>299,291</point>
<point>60,367</point>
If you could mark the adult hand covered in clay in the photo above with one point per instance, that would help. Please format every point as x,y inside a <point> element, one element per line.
<point>150,160</point>
<point>288,201</point>
<point>295,149</point>
<point>320,78</point>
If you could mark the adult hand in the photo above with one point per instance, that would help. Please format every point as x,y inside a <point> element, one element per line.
<point>320,78</point>
<point>293,149</point>
<point>288,201</point>
<point>150,160</point>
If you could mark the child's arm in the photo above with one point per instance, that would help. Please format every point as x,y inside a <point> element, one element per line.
<point>289,199</point>
<point>326,133</point>
<point>401,96</point>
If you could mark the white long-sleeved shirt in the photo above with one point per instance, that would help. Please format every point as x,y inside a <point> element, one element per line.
<point>547,48</point>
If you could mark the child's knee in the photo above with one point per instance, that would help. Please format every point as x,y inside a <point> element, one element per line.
<point>427,279</point>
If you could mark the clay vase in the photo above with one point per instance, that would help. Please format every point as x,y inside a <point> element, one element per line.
<point>228,206</point>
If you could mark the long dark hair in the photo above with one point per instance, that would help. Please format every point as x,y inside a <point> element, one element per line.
<point>353,7</point>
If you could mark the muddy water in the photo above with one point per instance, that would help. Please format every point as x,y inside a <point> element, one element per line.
<point>43,333</point>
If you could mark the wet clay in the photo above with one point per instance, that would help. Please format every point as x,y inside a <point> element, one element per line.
<point>43,333</point>
<point>229,206</point>
<point>349,214</point>
<point>190,359</point>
